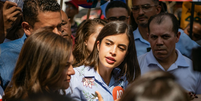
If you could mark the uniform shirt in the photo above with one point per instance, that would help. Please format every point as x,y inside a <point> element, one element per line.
<point>86,81</point>
<point>182,69</point>
<point>9,53</point>
<point>184,45</point>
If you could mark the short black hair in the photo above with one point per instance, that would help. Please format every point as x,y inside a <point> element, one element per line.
<point>31,9</point>
<point>159,18</point>
<point>114,4</point>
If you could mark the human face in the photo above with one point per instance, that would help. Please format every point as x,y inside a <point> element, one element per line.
<point>49,19</point>
<point>146,9</point>
<point>112,51</point>
<point>196,35</point>
<point>71,11</point>
<point>66,75</point>
<point>117,12</point>
<point>92,38</point>
<point>162,39</point>
<point>66,26</point>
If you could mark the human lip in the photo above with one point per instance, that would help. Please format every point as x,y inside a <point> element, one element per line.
<point>159,50</point>
<point>141,18</point>
<point>67,80</point>
<point>110,60</point>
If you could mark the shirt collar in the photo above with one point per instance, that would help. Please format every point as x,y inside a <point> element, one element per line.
<point>137,34</point>
<point>180,62</point>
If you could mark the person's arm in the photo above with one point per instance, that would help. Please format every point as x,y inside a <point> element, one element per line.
<point>10,14</point>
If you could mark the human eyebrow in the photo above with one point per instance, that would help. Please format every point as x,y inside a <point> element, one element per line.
<point>109,40</point>
<point>64,22</point>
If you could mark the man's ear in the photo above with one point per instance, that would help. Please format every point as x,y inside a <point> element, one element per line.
<point>178,36</point>
<point>128,20</point>
<point>27,28</point>
<point>158,8</point>
<point>148,35</point>
<point>98,45</point>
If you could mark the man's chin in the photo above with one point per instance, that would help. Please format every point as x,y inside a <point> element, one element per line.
<point>145,25</point>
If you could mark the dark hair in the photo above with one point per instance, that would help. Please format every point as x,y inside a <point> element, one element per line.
<point>155,86</point>
<point>39,67</point>
<point>31,8</point>
<point>85,29</point>
<point>129,67</point>
<point>156,1</point>
<point>159,18</point>
<point>115,4</point>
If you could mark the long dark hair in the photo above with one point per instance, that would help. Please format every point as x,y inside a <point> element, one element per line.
<point>41,62</point>
<point>130,66</point>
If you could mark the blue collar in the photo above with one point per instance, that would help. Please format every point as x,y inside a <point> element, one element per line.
<point>180,62</point>
<point>138,36</point>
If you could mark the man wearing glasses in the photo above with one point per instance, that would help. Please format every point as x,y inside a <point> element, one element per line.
<point>142,11</point>
<point>117,10</point>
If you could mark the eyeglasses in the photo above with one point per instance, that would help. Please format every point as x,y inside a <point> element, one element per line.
<point>145,8</point>
<point>121,18</point>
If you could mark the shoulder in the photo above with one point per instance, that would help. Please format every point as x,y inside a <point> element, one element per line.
<point>142,58</point>
<point>16,45</point>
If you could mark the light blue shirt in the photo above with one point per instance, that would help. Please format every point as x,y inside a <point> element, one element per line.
<point>182,69</point>
<point>1,92</point>
<point>9,53</point>
<point>184,45</point>
<point>86,81</point>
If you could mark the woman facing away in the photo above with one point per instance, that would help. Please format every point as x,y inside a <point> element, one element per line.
<point>110,67</point>
<point>85,38</point>
<point>44,66</point>
<point>155,86</point>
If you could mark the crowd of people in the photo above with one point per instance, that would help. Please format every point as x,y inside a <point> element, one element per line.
<point>134,54</point>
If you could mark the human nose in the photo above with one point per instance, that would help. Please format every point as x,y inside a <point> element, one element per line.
<point>70,70</point>
<point>141,10</point>
<point>113,51</point>
<point>159,41</point>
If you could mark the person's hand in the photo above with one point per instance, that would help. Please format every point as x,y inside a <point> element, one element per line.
<point>10,14</point>
<point>99,96</point>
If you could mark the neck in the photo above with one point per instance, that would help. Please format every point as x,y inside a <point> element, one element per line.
<point>105,73</point>
<point>167,62</point>
<point>143,31</point>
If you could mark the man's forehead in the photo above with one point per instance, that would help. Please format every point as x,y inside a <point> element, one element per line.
<point>142,2</point>
<point>116,12</point>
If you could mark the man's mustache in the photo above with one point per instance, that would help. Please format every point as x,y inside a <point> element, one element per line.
<point>140,16</point>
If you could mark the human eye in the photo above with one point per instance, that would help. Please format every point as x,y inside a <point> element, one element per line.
<point>67,64</point>
<point>112,18</point>
<point>122,18</point>
<point>146,6</point>
<point>63,22</point>
<point>108,43</point>
<point>165,36</point>
<point>122,48</point>
<point>154,37</point>
<point>135,8</point>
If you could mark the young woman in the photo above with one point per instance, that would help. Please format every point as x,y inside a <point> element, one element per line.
<point>44,65</point>
<point>110,67</point>
<point>85,39</point>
